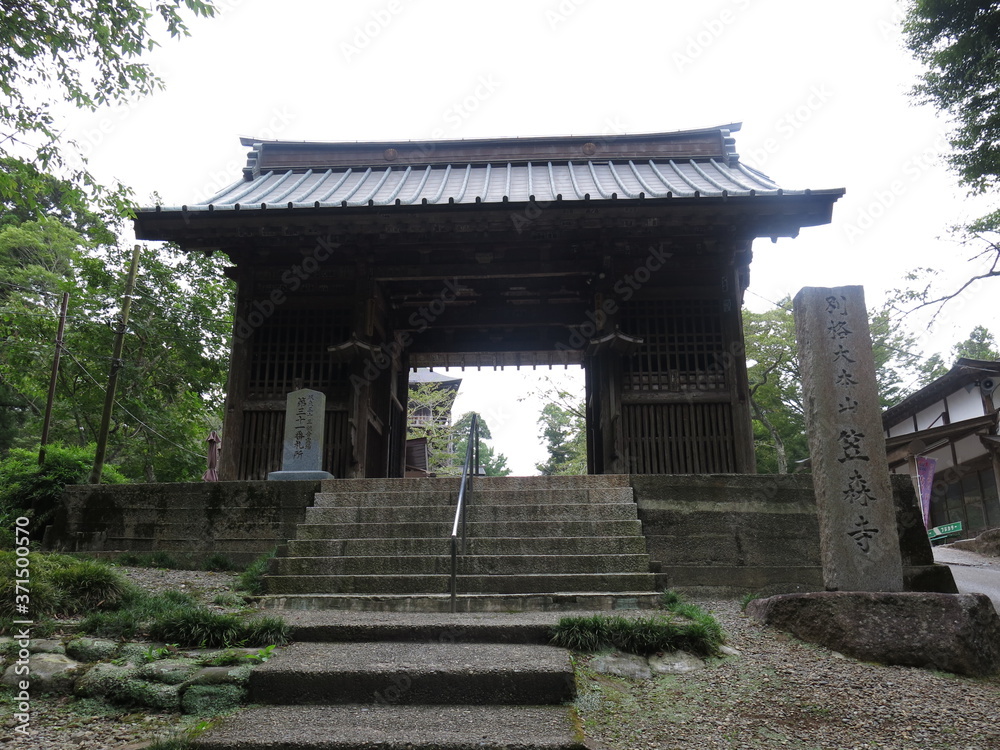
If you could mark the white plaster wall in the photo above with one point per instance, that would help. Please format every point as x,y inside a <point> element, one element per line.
<point>931,416</point>
<point>964,405</point>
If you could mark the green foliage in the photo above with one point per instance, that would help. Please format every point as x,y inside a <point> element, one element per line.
<point>174,363</point>
<point>62,585</point>
<point>956,41</point>
<point>86,53</point>
<point>641,635</point>
<point>35,491</point>
<point>491,464</point>
<point>251,580</point>
<point>981,344</point>
<point>564,429</point>
<point>219,562</point>
<point>202,628</point>
<point>229,599</point>
<point>154,653</point>
<point>775,382</point>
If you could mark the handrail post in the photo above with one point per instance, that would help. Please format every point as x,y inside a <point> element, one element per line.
<point>464,492</point>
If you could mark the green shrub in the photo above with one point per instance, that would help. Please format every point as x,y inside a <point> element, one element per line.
<point>90,585</point>
<point>219,562</point>
<point>251,579</point>
<point>684,627</point>
<point>200,627</point>
<point>62,585</point>
<point>35,491</point>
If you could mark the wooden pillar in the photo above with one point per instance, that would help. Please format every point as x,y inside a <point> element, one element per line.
<point>739,385</point>
<point>236,386</point>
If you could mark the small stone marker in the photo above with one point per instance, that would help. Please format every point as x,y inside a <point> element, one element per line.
<point>859,543</point>
<point>305,415</point>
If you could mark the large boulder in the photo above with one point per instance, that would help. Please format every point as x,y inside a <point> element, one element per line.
<point>957,633</point>
<point>48,673</point>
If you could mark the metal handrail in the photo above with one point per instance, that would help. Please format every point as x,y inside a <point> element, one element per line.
<point>464,494</point>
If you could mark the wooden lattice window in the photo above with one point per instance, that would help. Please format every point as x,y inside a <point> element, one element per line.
<point>683,346</point>
<point>679,438</point>
<point>292,345</point>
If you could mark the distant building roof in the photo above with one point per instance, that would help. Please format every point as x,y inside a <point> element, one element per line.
<point>302,175</point>
<point>429,376</point>
<point>963,373</point>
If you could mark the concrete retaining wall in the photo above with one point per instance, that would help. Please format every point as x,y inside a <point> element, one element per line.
<point>733,534</point>
<point>240,520</point>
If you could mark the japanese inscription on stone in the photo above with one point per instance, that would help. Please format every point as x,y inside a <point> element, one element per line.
<point>302,457</point>
<point>857,515</point>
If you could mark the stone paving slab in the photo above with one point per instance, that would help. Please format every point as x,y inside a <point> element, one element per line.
<point>428,673</point>
<point>395,728</point>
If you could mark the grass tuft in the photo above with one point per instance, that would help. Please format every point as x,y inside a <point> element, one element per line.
<point>251,579</point>
<point>683,627</point>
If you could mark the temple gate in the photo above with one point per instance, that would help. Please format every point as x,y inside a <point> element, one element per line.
<point>629,255</point>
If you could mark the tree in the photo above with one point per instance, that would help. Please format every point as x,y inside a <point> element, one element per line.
<point>174,361</point>
<point>87,53</point>
<point>980,345</point>
<point>957,42</point>
<point>564,429</point>
<point>491,464</point>
<point>775,390</point>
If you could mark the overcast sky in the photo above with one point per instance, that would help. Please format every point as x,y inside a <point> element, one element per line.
<point>820,87</point>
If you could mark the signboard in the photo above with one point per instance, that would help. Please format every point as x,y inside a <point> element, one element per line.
<point>946,530</point>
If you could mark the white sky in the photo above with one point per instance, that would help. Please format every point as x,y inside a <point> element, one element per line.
<point>820,87</point>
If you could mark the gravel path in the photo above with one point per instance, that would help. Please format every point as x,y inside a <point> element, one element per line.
<point>778,693</point>
<point>783,693</point>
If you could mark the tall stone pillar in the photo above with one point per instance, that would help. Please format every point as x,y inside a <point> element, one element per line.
<point>857,516</point>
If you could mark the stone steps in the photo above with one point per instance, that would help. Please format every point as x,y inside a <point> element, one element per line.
<point>408,673</point>
<point>616,528</point>
<point>408,682</point>
<point>468,565</point>
<point>538,545</point>
<point>353,727</point>
<point>525,537</point>
<point>483,497</point>
<point>564,601</point>
<point>444,515</point>
<point>528,583</point>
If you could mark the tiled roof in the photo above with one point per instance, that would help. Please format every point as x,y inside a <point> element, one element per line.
<point>493,183</point>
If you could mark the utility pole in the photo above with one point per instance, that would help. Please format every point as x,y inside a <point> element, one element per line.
<point>116,365</point>
<point>52,382</point>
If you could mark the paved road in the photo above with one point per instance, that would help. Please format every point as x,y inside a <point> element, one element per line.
<point>973,573</point>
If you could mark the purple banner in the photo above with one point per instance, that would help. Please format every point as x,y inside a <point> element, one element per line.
<point>925,481</point>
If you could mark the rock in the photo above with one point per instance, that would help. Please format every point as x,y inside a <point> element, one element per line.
<point>47,646</point>
<point>169,671</point>
<point>988,543</point>
<point>153,694</point>
<point>622,665</point>
<point>91,649</point>
<point>729,651</point>
<point>104,681</point>
<point>957,633</point>
<point>123,685</point>
<point>48,673</point>
<point>211,700</point>
<point>675,662</point>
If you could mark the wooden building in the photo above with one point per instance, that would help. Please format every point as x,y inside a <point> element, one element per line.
<point>629,255</point>
<point>949,432</point>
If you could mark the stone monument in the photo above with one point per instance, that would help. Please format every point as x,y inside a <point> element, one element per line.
<point>302,458</point>
<point>859,544</point>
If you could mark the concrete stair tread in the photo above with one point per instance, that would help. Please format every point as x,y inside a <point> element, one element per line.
<point>551,602</point>
<point>332,626</point>
<point>394,672</point>
<point>347,727</point>
<point>471,584</point>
